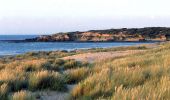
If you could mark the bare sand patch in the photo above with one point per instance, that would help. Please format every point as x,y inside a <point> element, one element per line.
<point>91,57</point>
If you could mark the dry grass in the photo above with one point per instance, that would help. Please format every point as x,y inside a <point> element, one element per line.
<point>46,80</point>
<point>23,95</point>
<point>4,89</point>
<point>139,76</point>
<point>73,76</point>
<point>34,74</point>
<point>151,90</point>
<point>143,75</point>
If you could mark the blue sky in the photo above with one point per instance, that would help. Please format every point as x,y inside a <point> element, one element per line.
<point>51,16</point>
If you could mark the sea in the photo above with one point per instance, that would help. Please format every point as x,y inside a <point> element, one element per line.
<point>12,48</point>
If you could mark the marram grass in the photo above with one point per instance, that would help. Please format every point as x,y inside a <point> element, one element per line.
<point>143,76</point>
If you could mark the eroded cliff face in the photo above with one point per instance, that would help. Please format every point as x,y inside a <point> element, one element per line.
<point>141,34</point>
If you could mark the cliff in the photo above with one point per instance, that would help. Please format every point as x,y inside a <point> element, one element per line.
<point>124,34</point>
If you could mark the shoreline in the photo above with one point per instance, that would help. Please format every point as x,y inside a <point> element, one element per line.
<point>25,41</point>
<point>83,49</point>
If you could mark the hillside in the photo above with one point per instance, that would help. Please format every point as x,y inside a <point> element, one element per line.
<point>124,34</point>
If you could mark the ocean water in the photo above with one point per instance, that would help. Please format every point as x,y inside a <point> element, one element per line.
<point>16,37</point>
<point>9,48</point>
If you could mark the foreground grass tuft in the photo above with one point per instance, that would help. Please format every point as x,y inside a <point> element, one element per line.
<point>4,90</point>
<point>46,80</point>
<point>23,95</point>
<point>73,76</point>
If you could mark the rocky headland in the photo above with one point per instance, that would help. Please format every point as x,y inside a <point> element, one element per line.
<point>124,34</point>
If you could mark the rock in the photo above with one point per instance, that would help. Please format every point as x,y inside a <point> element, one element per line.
<point>124,34</point>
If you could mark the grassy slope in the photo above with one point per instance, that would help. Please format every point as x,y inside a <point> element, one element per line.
<point>140,76</point>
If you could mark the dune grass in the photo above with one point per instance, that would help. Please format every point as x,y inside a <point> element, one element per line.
<point>4,89</point>
<point>73,76</point>
<point>140,76</point>
<point>23,95</point>
<point>20,77</point>
<point>46,80</point>
<point>144,75</point>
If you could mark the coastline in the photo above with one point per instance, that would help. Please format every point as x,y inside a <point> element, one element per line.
<point>25,41</point>
<point>150,44</point>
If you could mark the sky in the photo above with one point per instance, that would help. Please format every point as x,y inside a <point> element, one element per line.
<point>52,16</point>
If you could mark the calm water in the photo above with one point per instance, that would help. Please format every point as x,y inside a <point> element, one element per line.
<point>19,48</point>
<point>16,37</point>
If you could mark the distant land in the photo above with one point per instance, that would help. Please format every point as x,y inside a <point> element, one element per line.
<point>108,35</point>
